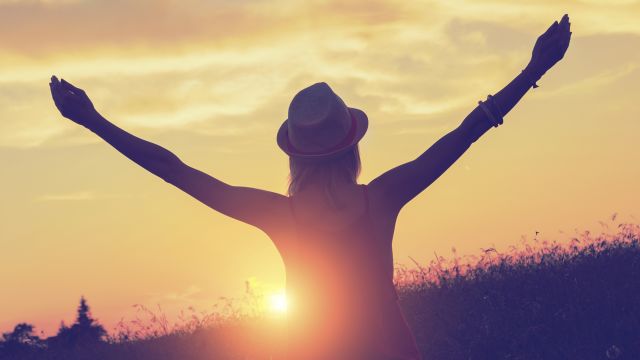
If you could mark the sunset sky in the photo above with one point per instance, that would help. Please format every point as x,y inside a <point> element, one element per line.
<point>211,80</point>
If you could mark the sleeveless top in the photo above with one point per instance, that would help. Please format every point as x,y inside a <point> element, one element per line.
<point>342,300</point>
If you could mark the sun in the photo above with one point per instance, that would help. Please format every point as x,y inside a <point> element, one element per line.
<point>278,303</point>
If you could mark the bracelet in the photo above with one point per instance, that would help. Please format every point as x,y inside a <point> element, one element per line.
<point>492,100</point>
<point>490,116</point>
<point>529,79</point>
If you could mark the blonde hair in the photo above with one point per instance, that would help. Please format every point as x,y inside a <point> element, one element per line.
<point>346,166</point>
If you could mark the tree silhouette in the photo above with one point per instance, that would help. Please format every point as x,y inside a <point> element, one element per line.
<point>84,317</point>
<point>85,330</point>
<point>20,339</point>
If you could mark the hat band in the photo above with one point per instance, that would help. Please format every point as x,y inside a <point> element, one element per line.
<point>346,141</point>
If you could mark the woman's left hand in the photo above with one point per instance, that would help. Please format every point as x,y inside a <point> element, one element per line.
<point>72,102</point>
<point>551,46</point>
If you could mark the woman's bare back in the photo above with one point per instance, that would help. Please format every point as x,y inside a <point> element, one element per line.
<point>340,275</point>
<point>313,211</point>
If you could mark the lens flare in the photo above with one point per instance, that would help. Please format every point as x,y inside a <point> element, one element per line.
<point>279,303</point>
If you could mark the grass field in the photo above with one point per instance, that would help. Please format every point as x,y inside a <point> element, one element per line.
<point>542,300</point>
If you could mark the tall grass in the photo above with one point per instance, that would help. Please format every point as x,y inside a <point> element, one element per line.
<point>546,300</point>
<point>577,299</point>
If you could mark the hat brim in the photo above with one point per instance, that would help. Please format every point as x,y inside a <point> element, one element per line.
<point>362,123</point>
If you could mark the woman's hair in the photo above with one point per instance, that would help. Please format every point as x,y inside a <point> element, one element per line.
<point>327,172</point>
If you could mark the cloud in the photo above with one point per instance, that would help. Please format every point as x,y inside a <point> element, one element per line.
<point>186,295</point>
<point>72,196</point>
<point>231,68</point>
<point>77,196</point>
<point>36,27</point>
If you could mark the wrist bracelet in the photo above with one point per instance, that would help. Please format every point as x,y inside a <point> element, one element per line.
<point>529,79</point>
<point>492,101</point>
<point>490,116</point>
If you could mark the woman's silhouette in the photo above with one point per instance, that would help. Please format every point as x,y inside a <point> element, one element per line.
<point>333,234</point>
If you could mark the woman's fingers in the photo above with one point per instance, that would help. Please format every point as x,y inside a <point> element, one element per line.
<point>565,22</point>
<point>549,29</point>
<point>67,84</point>
<point>562,34</point>
<point>565,33</point>
<point>58,92</point>
<point>55,90</point>
<point>567,40</point>
<point>71,88</point>
<point>57,86</point>
<point>54,94</point>
<point>557,27</point>
<point>64,86</point>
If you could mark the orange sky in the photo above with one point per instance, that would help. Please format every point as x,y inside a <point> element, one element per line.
<point>211,80</point>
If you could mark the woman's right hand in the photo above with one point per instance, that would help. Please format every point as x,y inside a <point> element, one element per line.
<point>72,102</point>
<point>551,46</point>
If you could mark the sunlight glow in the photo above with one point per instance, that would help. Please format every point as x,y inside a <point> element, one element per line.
<point>278,303</point>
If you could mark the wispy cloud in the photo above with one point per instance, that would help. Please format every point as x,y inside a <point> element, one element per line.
<point>72,196</point>
<point>77,196</point>
<point>234,66</point>
<point>186,295</point>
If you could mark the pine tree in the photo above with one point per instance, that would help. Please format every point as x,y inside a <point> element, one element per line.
<point>84,319</point>
<point>85,330</point>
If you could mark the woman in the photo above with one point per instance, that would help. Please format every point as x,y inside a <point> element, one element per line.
<point>333,234</point>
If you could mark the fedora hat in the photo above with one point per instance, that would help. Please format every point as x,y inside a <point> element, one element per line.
<point>320,125</point>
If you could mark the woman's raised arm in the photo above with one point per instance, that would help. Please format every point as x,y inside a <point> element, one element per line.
<point>253,206</point>
<point>398,186</point>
